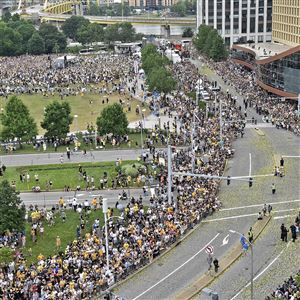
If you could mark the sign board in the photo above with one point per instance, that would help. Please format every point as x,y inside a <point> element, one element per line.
<point>244,243</point>
<point>209,250</point>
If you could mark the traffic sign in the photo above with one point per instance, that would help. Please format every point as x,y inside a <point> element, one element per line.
<point>209,250</point>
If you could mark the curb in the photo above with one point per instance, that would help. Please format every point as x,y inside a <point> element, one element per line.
<point>193,289</point>
<point>165,252</point>
<point>157,258</point>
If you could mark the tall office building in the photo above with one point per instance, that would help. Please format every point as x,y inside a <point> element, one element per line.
<point>286,22</point>
<point>238,20</point>
<point>276,64</point>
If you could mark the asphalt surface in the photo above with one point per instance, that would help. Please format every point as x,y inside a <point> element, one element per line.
<point>241,205</point>
<point>77,157</point>
<point>48,199</point>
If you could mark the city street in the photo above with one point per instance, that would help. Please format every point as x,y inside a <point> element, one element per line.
<point>48,199</point>
<point>241,204</point>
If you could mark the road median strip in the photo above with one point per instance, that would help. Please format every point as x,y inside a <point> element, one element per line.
<point>236,252</point>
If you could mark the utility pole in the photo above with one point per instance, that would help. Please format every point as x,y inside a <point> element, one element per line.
<point>193,143</point>
<point>221,135</point>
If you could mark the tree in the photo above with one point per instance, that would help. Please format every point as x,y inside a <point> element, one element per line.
<point>188,32</point>
<point>218,50</point>
<point>126,32</point>
<point>91,33</point>
<point>10,41</point>
<point>17,122</point>
<point>112,120</point>
<point>57,119</point>
<point>72,24</point>
<point>12,212</point>
<point>179,8</point>
<point>161,80</point>
<point>52,36</point>
<point>36,44</point>
<point>202,36</point>
<point>209,41</point>
<point>6,256</point>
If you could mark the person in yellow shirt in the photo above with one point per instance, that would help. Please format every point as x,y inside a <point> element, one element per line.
<point>94,203</point>
<point>61,202</point>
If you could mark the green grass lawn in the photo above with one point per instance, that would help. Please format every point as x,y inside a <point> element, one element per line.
<point>80,104</point>
<point>135,139</point>
<point>46,244</point>
<point>61,175</point>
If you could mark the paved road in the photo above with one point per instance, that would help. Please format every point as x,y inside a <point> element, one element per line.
<point>185,263</point>
<point>48,199</point>
<point>54,158</point>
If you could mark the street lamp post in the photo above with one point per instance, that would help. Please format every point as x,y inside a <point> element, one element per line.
<point>251,248</point>
<point>105,209</point>
<point>76,123</point>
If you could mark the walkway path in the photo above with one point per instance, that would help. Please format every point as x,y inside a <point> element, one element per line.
<point>54,158</point>
<point>255,154</point>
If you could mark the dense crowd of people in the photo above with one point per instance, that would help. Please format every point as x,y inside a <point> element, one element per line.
<point>289,290</point>
<point>279,112</point>
<point>37,74</point>
<point>141,233</point>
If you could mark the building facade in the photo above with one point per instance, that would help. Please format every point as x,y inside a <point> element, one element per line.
<point>276,64</point>
<point>286,22</point>
<point>151,4</point>
<point>237,21</point>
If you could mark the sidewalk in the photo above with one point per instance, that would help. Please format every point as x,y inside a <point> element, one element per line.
<point>225,263</point>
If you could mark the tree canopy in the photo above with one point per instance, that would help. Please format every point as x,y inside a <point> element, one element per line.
<point>36,44</point>
<point>57,119</point>
<point>72,24</point>
<point>12,212</point>
<point>112,120</point>
<point>210,43</point>
<point>155,66</point>
<point>17,122</point>
<point>18,36</point>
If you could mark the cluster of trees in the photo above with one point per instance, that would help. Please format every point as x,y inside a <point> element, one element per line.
<point>19,36</point>
<point>184,7</point>
<point>81,30</point>
<point>159,78</point>
<point>17,124</point>
<point>115,9</point>
<point>210,43</point>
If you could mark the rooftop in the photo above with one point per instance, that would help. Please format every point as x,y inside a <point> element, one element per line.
<point>265,50</point>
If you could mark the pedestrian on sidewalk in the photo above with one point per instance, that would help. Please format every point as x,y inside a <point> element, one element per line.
<point>273,188</point>
<point>250,235</point>
<point>294,232</point>
<point>216,265</point>
<point>284,233</point>
<point>281,162</point>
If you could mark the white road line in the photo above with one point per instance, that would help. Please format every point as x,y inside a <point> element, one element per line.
<point>253,176</point>
<point>258,205</point>
<point>170,274</point>
<point>250,164</point>
<point>291,156</point>
<point>281,217</point>
<point>262,272</point>
<point>243,216</point>
<point>228,218</point>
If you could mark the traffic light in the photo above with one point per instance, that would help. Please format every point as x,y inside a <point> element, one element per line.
<point>228,180</point>
<point>250,182</point>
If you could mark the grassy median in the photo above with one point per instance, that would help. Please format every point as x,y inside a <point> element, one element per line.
<point>67,174</point>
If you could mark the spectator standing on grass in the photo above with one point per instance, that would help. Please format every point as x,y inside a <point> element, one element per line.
<point>58,243</point>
